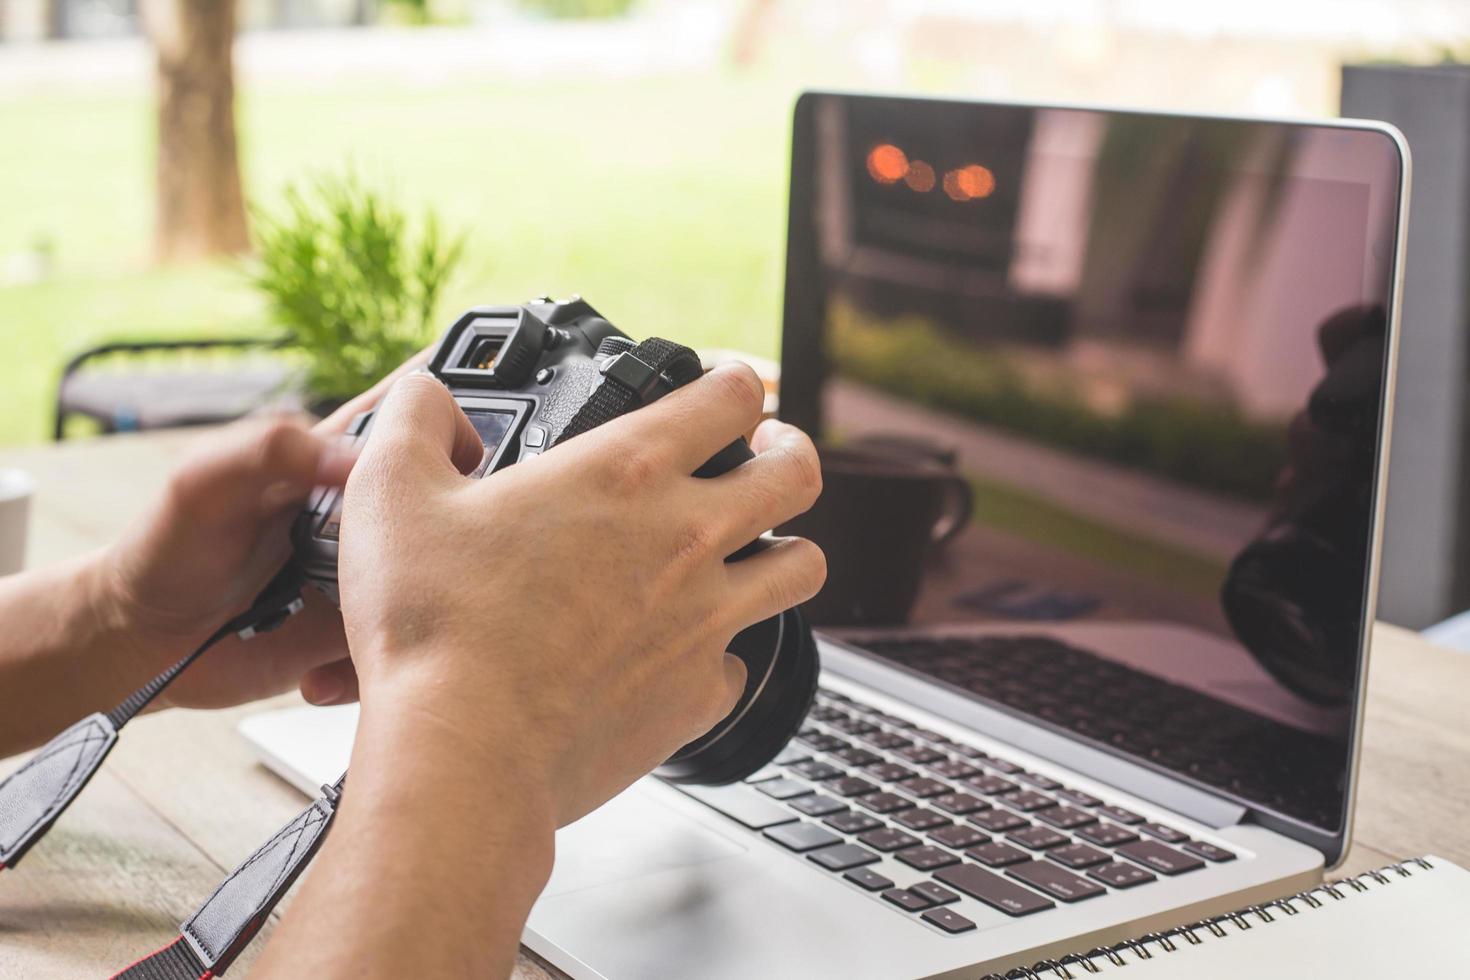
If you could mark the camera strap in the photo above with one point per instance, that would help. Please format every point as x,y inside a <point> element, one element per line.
<point>640,374</point>
<point>33,796</point>
<point>211,938</point>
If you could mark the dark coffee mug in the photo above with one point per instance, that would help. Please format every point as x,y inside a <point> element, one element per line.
<point>883,512</point>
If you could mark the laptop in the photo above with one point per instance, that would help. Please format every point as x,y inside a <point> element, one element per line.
<point>1102,399</point>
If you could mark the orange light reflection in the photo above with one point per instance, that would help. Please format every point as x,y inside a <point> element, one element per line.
<point>920,177</point>
<point>887,164</point>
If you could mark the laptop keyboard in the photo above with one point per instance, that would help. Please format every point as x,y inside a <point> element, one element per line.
<point>1171,725</point>
<point>859,784</point>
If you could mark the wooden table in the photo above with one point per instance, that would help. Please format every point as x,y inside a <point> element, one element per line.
<point>143,846</point>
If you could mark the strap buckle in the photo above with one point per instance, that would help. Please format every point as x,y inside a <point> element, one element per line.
<point>638,376</point>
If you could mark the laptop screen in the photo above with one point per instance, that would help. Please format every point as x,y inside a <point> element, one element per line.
<point>1099,398</point>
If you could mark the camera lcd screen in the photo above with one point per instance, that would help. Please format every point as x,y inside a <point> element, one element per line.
<point>1099,397</point>
<point>492,426</point>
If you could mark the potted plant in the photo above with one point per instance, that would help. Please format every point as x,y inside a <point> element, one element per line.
<point>354,286</point>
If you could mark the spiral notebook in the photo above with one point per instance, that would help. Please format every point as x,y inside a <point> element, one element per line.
<point>1408,919</point>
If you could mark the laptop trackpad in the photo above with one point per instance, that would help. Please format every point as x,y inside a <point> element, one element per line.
<point>633,834</point>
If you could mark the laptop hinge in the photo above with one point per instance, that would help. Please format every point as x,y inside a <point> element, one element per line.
<point>1158,788</point>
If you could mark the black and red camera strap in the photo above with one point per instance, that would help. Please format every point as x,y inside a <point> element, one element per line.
<point>34,796</point>
<point>211,938</point>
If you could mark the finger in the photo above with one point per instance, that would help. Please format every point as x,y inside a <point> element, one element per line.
<point>420,426</point>
<point>266,464</point>
<point>333,683</point>
<point>767,434</point>
<point>787,573</point>
<point>688,426</point>
<point>782,481</point>
<point>336,423</point>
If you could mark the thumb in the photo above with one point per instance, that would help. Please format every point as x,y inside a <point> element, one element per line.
<point>420,427</point>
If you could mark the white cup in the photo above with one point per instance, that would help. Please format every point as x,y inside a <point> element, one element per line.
<point>16,489</point>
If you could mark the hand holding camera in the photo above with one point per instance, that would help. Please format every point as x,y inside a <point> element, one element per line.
<point>621,594</point>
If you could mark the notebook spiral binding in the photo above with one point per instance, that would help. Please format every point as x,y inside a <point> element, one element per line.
<point>1091,962</point>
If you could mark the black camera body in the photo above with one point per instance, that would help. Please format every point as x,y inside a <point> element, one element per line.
<point>527,377</point>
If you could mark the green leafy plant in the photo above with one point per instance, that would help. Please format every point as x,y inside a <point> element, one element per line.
<point>355,290</point>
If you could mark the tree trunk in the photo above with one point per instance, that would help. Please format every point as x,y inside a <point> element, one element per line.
<point>53,18</point>
<point>201,210</point>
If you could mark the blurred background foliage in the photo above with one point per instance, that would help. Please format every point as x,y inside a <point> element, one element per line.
<point>633,151</point>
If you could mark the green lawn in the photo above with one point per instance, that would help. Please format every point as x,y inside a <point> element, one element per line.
<point>660,200</point>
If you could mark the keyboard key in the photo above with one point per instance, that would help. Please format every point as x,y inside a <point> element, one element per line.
<point>852,726</point>
<point>855,755</point>
<point>959,803</point>
<point>1066,817</point>
<point>1119,814</point>
<point>1003,765</point>
<point>764,773</point>
<point>1107,835</point>
<point>921,819</point>
<point>1037,838</point>
<point>850,786</point>
<point>884,802</point>
<point>1078,856</point>
<point>783,789</point>
<point>948,919</point>
<point>958,836</point>
<point>821,741</point>
<point>990,785</point>
<point>1209,852</point>
<point>887,839</point>
<point>997,855</point>
<point>1038,780</point>
<point>919,754</point>
<point>801,837</point>
<point>935,892</point>
<point>886,740</point>
<point>993,890</point>
<point>741,804</point>
<point>997,821</point>
<point>969,751</point>
<point>1056,882</point>
<point>852,822</point>
<point>872,880</point>
<point>826,712</point>
<point>817,805</point>
<point>952,769</point>
<point>927,857</point>
<point>1120,874</point>
<point>1166,834</point>
<point>816,769</point>
<point>1076,796</point>
<point>1158,857</point>
<point>1027,800</point>
<point>923,787</point>
<point>843,856</point>
<point>909,901</point>
<point>791,755</point>
<point>890,772</point>
<point>929,735</point>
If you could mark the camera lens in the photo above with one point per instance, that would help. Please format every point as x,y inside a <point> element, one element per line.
<point>781,679</point>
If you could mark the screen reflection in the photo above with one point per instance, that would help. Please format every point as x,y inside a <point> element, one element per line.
<point>1099,398</point>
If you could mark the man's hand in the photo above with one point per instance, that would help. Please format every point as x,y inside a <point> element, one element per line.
<point>211,543</point>
<point>573,610</point>
<point>528,645</point>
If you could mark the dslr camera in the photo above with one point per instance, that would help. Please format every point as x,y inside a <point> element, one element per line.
<point>531,376</point>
